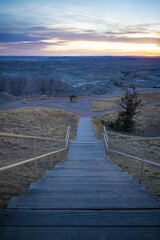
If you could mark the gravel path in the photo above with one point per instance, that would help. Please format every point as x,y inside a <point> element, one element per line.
<point>81,107</point>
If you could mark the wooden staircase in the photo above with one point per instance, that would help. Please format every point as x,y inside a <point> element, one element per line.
<point>84,197</point>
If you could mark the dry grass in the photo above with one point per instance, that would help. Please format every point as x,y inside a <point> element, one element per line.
<point>104,104</point>
<point>113,102</point>
<point>25,100</point>
<point>43,122</point>
<point>148,121</point>
<point>149,126</point>
<point>149,97</point>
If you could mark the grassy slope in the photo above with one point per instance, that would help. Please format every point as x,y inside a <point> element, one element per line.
<point>148,121</point>
<point>113,102</point>
<point>36,122</point>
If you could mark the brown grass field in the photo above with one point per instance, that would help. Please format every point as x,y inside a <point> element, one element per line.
<point>113,102</point>
<point>147,125</point>
<point>42,122</point>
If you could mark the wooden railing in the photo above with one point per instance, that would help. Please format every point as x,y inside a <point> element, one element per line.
<point>142,160</point>
<point>35,158</point>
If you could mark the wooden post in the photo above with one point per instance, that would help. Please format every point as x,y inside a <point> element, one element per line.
<point>107,147</point>
<point>113,154</point>
<point>125,149</point>
<point>142,164</point>
<point>67,141</point>
<point>51,155</point>
<point>106,144</point>
<point>106,139</point>
<point>35,161</point>
<point>67,133</point>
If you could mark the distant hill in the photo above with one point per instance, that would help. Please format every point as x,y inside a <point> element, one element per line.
<point>28,87</point>
<point>65,76</point>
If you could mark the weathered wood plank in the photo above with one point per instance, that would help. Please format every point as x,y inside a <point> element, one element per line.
<point>90,165</point>
<point>93,171</point>
<point>50,181</point>
<point>71,167</point>
<point>84,193</point>
<point>80,233</point>
<point>83,202</point>
<point>111,186</point>
<point>80,218</point>
<point>87,175</point>
<point>82,168</point>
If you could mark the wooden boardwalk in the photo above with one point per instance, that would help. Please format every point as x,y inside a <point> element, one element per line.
<point>84,197</point>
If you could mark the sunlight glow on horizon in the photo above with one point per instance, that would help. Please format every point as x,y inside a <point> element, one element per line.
<point>147,49</point>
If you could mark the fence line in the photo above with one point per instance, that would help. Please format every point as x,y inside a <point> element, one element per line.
<point>10,135</point>
<point>142,160</point>
<point>136,139</point>
<point>29,160</point>
<point>35,158</point>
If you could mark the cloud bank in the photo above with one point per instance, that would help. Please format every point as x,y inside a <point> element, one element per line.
<point>53,31</point>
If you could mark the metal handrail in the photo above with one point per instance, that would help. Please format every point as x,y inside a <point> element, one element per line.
<point>29,160</point>
<point>67,138</point>
<point>142,160</point>
<point>136,139</point>
<point>136,158</point>
<point>10,135</point>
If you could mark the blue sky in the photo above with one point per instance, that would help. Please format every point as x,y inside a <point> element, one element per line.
<point>73,27</point>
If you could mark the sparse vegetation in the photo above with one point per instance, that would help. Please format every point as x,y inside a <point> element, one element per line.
<point>43,122</point>
<point>129,105</point>
<point>105,104</point>
<point>149,126</point>
<point>73,98</point>
<point>113,102</point>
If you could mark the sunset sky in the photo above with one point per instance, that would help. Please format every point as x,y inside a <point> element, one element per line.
<point>79,27</point>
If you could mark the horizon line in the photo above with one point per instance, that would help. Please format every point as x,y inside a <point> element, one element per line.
<point>149,56</point>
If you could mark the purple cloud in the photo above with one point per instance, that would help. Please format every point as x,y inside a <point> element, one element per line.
<point>18,37</point>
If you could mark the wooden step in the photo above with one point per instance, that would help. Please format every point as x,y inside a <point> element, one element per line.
<point>69,202</point>
<point>80,233</point>
<point>93,181</point>
<point>74,173</point>
<point>80,218</point>
<point>84,197</point>
<point>91,168</point>
<point>84,193</point>
<point>95,186</point>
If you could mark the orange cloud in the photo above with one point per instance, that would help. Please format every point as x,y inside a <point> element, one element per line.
<point>103,47</point>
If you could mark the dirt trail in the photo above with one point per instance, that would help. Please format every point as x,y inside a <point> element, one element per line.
<point>81,107</point>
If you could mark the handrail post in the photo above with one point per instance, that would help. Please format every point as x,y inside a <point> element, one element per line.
<point>35,161</point>
<point>105,132</point>
<point>105,139</point>
<point>107,146</point>
<point>67,141</point>
<point>67,133</point>
<point>106,143</point>
<point>125,149</point>
<point>142,164</point>
<point>51,151</point>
